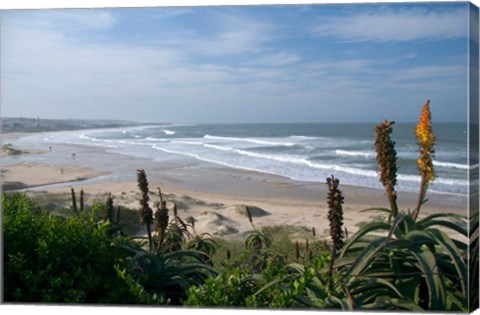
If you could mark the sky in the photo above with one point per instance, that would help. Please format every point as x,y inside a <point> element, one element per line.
<point>217,64</point>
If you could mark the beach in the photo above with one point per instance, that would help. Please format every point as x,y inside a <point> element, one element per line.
<point>213,195</point>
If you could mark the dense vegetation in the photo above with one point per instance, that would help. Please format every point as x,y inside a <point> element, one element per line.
<point>48,258</point>
<point>404,262</point>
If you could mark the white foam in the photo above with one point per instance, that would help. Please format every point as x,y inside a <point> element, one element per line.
<point>297,160</point>
<point>218,147</point>
<point>451,165</point>
<point>296,163</point>
<point>303,161</point>
<point>187,142</point>
<point>251,140</point>
<point>155,139</point>
<point>355,153</point>
<point>438,180</point>
<point>169,132</point>
<point>212,161</point>
<point>303,138</point>
<point>133,143</point>
<point>84,136</point>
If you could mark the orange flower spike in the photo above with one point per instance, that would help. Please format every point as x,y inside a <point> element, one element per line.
<point>424,128</point>
<point>426,138</point>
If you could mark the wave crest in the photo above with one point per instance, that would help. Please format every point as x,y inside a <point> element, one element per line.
<point>251,140</point>
<point>355,153</point>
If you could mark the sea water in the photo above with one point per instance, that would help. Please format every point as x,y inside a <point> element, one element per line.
<point>299,151</point>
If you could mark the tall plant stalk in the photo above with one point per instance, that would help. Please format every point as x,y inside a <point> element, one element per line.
<point>161,223</point>
<point>335,216</point>
<point>109,208</point>
<point>426,142</point>
<point>146,213</point>
<point>387,162</point>
<point>74,202</point>
<point>81,200</point>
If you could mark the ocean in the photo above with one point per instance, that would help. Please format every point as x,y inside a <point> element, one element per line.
<point>300,151</point>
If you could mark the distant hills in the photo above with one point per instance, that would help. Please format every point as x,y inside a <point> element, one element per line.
<point>20,124</point>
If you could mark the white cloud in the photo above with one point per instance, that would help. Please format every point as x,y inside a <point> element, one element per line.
<point>278,59</point>
<point>166,13</point>
<point>225,33</point>
<point>48,69</point>
<point>52,67</point>
<point>431,72</point>
<point>396,25</point>
<point>68,21</point>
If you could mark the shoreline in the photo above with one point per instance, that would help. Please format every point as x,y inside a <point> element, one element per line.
<point>210,194</point>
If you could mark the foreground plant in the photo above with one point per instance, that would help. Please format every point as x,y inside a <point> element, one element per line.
<point>408,263</point>
<point>405,263</point>
<point>426,141</point>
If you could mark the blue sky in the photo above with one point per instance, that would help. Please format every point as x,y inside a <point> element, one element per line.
<point>295,63</point>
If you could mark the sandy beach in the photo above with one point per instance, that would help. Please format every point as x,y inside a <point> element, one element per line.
<point>214,196</point>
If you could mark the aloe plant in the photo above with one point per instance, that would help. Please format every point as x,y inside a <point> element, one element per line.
<point>406,263</point>
<point>409,263</point>
<point>473,262</point>
<point>417,262</point>
<point>204,243</point>
<point>167,274</point>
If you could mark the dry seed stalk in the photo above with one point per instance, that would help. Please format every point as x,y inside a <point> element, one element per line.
<point>160,194</point>
<point>117,215</point>
<point>387,162</point>
<point>335,212</point>
<point>228,254</point>
<point>146,213</point>
<point>249,214</point>
<point>296,250</point>
<point>74,202</point>
<point>109,208</point>
<point>81,200</point>
<point>161,224</point>
<point>335,216</point>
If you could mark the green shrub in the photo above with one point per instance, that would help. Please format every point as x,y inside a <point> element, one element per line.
<point>277,286</point>
<point>48,258</point>
<point>230,288</point>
